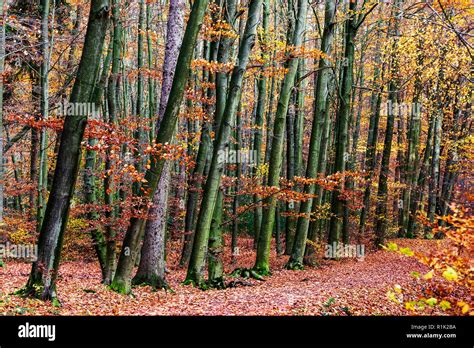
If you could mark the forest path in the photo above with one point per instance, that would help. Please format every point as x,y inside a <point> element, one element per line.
<point>347,287</point>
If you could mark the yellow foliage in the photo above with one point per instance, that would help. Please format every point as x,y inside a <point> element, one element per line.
<point>19,236</point>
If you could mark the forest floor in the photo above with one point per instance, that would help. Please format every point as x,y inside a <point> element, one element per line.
<point>347,287</point>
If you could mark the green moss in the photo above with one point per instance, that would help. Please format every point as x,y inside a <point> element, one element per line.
<point>120,286</point>
<point>217,283</point>
<point>56,302</point>
<point>254,273</point>
<point>294,266</point>
<point>153,280</point>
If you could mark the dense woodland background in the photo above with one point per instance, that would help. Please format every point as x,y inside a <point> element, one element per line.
<point>202,141</point>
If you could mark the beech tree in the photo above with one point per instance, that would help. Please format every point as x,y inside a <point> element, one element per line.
<point>152,262</point>
<point>263,248</point>
<point>229,137</point>
<point>201,239</point>
<point>42,281</point>
<point>130,248</point>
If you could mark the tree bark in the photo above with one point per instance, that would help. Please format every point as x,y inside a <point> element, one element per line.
<point>133,236</point>
<point>200,245</point>
<point>151,270</point>
<point>263,247</point>
<point>321,95</point>
<point>42,280</point>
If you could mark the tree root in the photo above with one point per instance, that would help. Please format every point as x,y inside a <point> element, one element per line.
<point>199,285</point>
<point>294,266</point>
<point>217,283</point>
<point>249,273</point>
<point>154,281</point>
<point>121,287</point>
<point>39,292</point>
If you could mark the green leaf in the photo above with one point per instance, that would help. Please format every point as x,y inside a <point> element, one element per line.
<point>450,274</point>
<point>390,246</point>
<point>407,251</point>
<point>445,305</point>
<point>392,296</point>
<point>410,305</point>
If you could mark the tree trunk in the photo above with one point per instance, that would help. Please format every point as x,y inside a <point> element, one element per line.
<point>381,213</point>
<point>44,110</point>
<point>2,68</point>
<point>414,130</point>
<point>259,118</point>
<point>263,248</point>
<point>338,203</point>
<point>216,246</point>
<point>90,180</point>
<point>370,162</point>
<point>321,95</point>
<point>133,236</point>
<point>152,262</point>
<point>42,281</point>
<point>200,245</point>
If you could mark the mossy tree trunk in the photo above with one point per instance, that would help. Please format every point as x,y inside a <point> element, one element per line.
<point>113,114</point>
<point>276,157</point>
<point>321,94</point>
<point>44,110</point>
<point>133,236</point>
<point>42,280</point>
<point>260,116</point>
<point>200,245</point>
<point>151,269</point>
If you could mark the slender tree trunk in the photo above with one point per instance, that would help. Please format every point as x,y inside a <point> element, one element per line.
<point>259,118</point>
<point>133,236</point>
<point>321,94</point>
<point>338,203</point>
<point>42,280</point>
<point>290,221</point>
<point>238,174</point>
<point>412,155</point>
<point>151,270</point>
<point>151,81</point>
<point>417,194</point>
<point>452,160</point>
<point>316,226</point>
<point>200,245</point>
<point>221,82</point>
<point>299,119</point>
<point>263,248</point>
<point>435,162</point>
<point>113,113</point>
<point>139,111</point>
<point>3,6</point>
<point>370,162</point>
<point>44,110</point>
<point>90,180</point>
<point>381,216</point>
